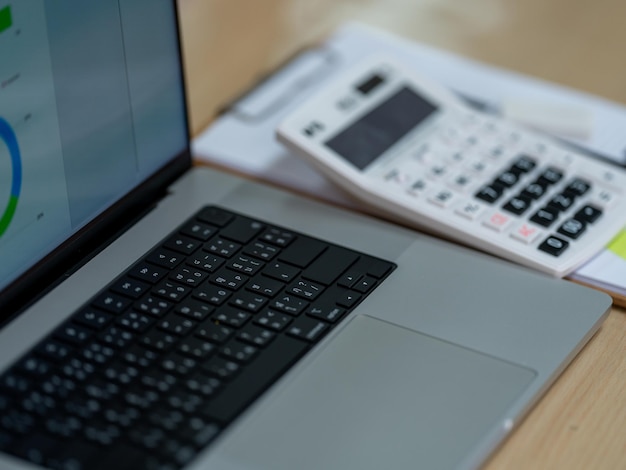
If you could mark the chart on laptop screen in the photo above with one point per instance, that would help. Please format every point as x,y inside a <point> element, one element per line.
<point>33,194</point>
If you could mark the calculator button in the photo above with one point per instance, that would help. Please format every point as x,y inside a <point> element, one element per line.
<point>498,221</point>
<point>526,233</point>
<point>535,190</point>
<point>517,205</point>
<point>572,228</point>
<point>470,210</point>
<point>545,217</point>
<point>551,175</point>
<point>442,198</point>
<point>507,179</point>
<point>561,202</point>
<point>554,245</point>
<point>578,186</point>
<point>588,214</point>
<point>524,164</point>
<point>490,193</point>
<point>460,182</point>
<point>418,187</point>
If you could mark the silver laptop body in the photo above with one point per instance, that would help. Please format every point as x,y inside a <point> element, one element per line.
<point>432,370</point>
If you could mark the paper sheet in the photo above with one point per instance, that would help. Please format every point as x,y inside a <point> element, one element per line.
<point>243,139</point>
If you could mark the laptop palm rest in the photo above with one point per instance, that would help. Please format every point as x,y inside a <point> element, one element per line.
<point>379,396</point>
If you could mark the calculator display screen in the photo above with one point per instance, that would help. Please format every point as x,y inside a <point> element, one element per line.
<point>369,137</point>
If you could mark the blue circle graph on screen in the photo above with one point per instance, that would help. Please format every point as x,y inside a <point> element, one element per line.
<point>8,136</point>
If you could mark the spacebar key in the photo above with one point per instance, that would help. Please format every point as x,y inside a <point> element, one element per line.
<point>255,379</point>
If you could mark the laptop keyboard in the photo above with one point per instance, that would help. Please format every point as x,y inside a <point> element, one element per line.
<point>158,364</point>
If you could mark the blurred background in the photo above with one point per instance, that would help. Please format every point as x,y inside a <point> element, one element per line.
<point>229,44</point>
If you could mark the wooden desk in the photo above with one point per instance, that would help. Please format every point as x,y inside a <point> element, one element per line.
<point>581,422</point>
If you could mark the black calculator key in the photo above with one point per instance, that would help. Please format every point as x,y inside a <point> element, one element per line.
<point>554,245</point>
<point>524,164</point>
<point>535,190</point>
<point>572,228</point>
<point>578,186</point>
<point>490,193</point>
<point>517,205</point>
<point>507,179</point>
<point>561,202</point>
<point>545,217</point>
<point>551,175</point>
<point>588,214</point>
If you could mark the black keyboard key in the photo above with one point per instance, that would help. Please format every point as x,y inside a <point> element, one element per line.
<point>348,299</point>
<point>93,318</point>
<point>331,264</point>
<point>215,216</point>
<point>182,244</point>
<point>199,230</point>
<point>221,247</point>
<point>221,368</point>
<point>53,350</point>
<point>377,267</point>
<point>264,286</point>
<point>365,284</point>
<point>273,320</point>
<point>130,287</point>
<point>112,303</point>
<point>206,261</point>
<point>214,332</point>
<point>289,303</point>
<point>229,279</point>
<point>213,295</point>
<point>245,265</point>
<point>165,258</point>
<point>248,301</point>
<point>176,325</point>
<point>308,329</point>
<point>281,271</point>
<point>135,322</point>
<point>194,309</point>
<point>188,275</point>
<point>231,316</point>
<point>328,312</point>
<point>280,238</point>
<point>148,273</point>
<point>261,250</point>
<point>73,334</point>
<point>256,335</point>
<point>302,251</point>
<point>196,348</point>
<point>243,389</point>
<point>242,230</point>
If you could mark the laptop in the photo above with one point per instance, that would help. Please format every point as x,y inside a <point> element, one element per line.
<point>159,316</point>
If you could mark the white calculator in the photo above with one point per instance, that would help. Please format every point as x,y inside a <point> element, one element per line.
<point>411,149</point>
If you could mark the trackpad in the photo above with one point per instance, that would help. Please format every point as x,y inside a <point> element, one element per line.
<point>380,396</point>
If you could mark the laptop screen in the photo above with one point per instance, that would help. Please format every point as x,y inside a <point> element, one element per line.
<point>91,105</point>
